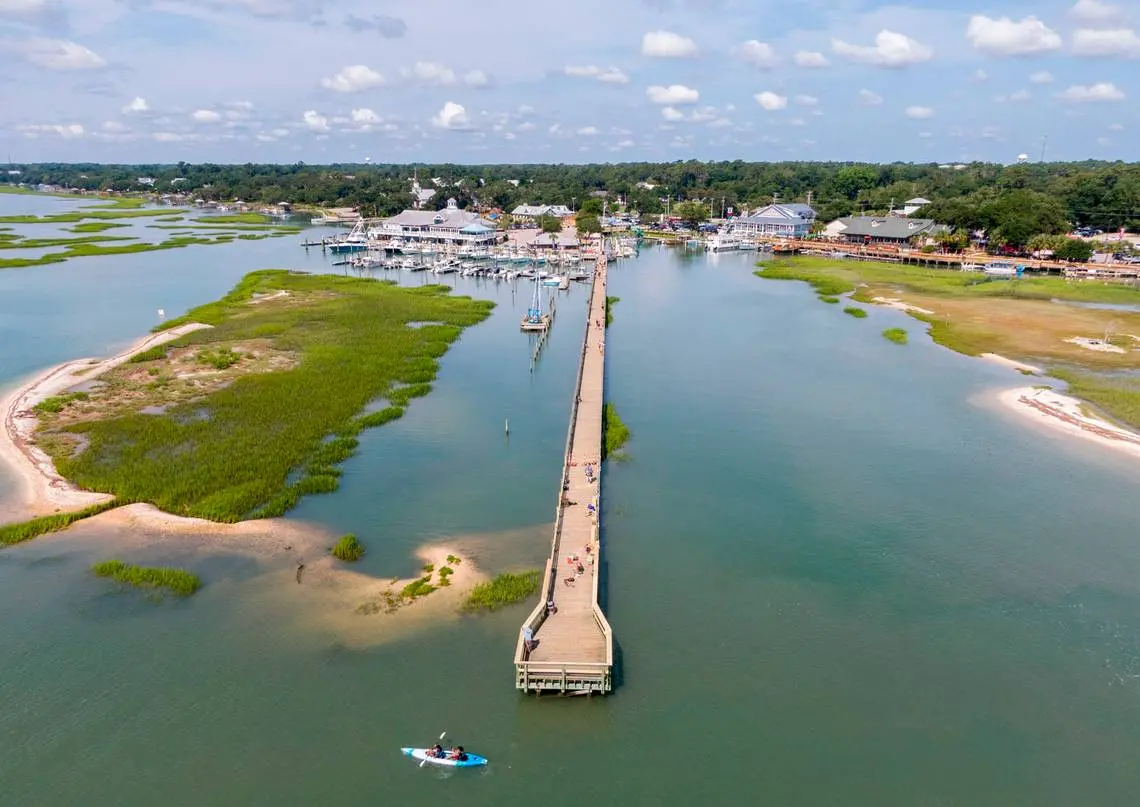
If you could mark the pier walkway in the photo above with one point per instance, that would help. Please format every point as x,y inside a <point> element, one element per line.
<point>573,644</point>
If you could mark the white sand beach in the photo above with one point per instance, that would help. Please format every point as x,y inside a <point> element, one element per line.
<point>1068,415</point>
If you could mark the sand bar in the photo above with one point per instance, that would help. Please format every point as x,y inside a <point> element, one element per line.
<point>1066,414</point>
<point>42,490</point>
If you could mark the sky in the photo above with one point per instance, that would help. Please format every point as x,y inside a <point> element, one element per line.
<point>498,81</point>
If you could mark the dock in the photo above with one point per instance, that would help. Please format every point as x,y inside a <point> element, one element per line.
<point>572,651</point>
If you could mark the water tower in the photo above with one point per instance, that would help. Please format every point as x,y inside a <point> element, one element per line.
<point>1021,158</point>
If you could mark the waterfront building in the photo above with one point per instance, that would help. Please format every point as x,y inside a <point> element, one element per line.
<point>535,212</point>
<point>792,220</point>
<point>450,226</point>
<point>892,230</point>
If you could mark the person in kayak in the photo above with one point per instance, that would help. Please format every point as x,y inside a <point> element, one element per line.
<point>458,754</point>
<point>436,752</point>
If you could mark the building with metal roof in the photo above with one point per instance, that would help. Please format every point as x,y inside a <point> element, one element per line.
<point>448,226</point>
<point>897,230</point>
<point>792,220</point>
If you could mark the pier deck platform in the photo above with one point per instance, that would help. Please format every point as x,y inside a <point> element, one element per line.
<point>573,649</point>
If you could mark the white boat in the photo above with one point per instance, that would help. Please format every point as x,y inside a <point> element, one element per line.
<point>999,269</point>
<point>971,267</point>
<point>723,242</point>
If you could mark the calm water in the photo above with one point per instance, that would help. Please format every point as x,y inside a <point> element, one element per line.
<point>835,574</point>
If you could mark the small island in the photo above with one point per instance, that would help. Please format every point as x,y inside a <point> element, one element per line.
<point>254,401</point>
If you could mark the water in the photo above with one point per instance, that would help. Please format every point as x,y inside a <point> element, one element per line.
<point>836,576</point>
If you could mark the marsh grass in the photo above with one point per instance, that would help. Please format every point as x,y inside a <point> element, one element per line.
<point>417,588</point>
<point>506,589</point>
<point>177,581</point>
<point>221,358</point>
<point>26,530</point>
<point>858,313</point>
<point>41,243</point>
<point>614,432</point>
<point>57,403</point>
<point>95,226</point>
<point>610,303</point>
<point>896,335</point>
<point>270,438</point>
<point>99,212</point>
<point>828,299</point>
<point>348,548</point>
<point>235,218</point>
<point>87,249</point>
<point>445,573</point>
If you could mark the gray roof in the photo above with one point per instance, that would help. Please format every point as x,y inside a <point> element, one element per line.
<point>895,227</point>
<point>448,217</point>
<point>563,240</point>
<point>792,213</point>
<point>918,200</point>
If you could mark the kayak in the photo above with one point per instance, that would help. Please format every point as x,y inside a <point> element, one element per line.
<point>472,761</point>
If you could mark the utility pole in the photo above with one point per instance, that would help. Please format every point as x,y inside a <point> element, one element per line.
<point>722,207</point>
<point>892,210</point>
<point>809,194</point>
<point>775,198</point>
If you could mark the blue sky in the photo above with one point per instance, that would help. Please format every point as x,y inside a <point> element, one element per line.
<point>588,81</point>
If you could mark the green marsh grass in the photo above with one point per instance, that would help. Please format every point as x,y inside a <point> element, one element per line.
<point>445,573</point>
<point>828,299</point>
<point>26,530</point>
<point>896,335</point>
<point>610,303</point>
<point>858,313</point>
<point>40,243</point>
<point>79,215</point>
<point>57,403</point>
<point>348,548</point>
<point>506,589</point>
<point>254,448</point>
<point>235,218</point>
<point>417,588</point>
<point>95,226</point>
<point>614,432</point>
<point>177,581</point>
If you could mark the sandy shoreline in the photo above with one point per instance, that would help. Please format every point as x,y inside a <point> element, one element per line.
<point>1064,414</point>
<point>42,490</point>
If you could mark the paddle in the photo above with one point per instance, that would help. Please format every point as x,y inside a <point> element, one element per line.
<point>440,737</point>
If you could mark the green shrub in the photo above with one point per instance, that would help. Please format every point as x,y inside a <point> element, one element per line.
<point>858,313</point>
<point>614,432</point>
<point>896,335</point>
<point>348,548</point>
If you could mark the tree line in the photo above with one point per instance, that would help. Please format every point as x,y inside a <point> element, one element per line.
<point>1013,202</point>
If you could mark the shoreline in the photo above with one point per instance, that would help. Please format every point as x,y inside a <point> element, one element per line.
<point>1065,415</point>
<point>40,488</point>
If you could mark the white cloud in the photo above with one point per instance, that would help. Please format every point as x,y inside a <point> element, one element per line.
<point>757,53</point>
<point>868,98</point>
<point>919,112</point>
<point>588,131</point>
<point>1121,42</point>
<point>1005,37</point>
<point>980,75</point>
<point>806,100</point>
<point>476,78</point>
<point>1041,77</point>
<point>625,144</point>
<point>354,78</point>
<point>67,131</point>
<point>1095,12</point>
<point>890,50</point>
<point>770,101</point>
<point>167,137</point>
<point>60,54</point>
<point>451,116</point>
<point>720,123</point>
<point>315,121</point>
<point>1014,97</point>
<point>667,45</point>
<point>810,58</point>
<point>1101,91</point>
<point>205,116</point>
<point>1116,127</point>
<point>671,114</point>
<point>673,94</point>
<point>138,104</point>
<point>114,126</point>
<point>606,75</point>
<point>365,115</point>
<point>525,127</point>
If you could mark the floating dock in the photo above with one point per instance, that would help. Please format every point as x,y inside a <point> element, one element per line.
<point>573,649</point>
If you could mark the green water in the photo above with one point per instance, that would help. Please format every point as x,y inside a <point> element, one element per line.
<point>836,576</point>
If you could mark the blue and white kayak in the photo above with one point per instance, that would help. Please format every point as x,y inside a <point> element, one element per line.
<point>472,761</point>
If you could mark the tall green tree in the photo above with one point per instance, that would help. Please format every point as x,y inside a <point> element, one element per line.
<point>550,224</point>
<point>587,223</point>
<point>691,213</point>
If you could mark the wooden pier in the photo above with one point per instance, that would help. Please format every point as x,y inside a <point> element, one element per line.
<point>572,651</point>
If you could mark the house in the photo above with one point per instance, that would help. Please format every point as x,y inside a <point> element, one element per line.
<point>792,220</point>
<point>893,230</point>
<point>555,241</point>
<point>534,212</point>
<point>913,205</point>
<point>448,226</point>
